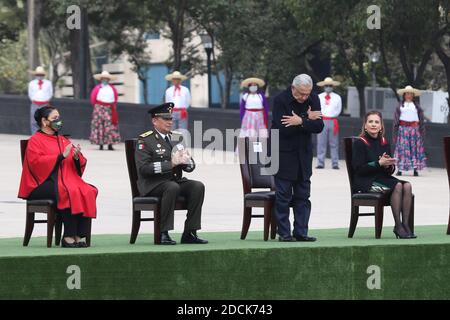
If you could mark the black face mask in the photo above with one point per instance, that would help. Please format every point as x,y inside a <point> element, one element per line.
<point>56,124</point>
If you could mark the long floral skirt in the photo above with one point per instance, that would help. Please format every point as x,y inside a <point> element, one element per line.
<point>102,129</point>
<point>253,125</point>
<point>409,149</point>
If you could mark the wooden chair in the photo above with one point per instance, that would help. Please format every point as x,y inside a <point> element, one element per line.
<point>376,200</point>
<point>144,203</point>
<point>447,164</point>
<point>42,206</point>
<point>252,179</point>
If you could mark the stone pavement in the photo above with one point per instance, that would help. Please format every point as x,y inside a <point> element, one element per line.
<point>222,210</point>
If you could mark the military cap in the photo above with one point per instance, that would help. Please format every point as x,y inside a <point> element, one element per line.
<point>163,110</point>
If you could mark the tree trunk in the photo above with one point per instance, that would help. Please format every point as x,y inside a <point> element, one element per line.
<point>445,59</point>
<point>362,100</point>
<point>228,80</point>
<point>34,8</point>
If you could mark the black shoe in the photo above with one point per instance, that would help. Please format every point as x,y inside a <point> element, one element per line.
<point>336,167</point>
<point>110,147</point>
<point>101,147</point>
<point>286,239</point>
<point>192,238</point>
<point>65,244</point>
<point>399,173</point>
<point>166,239</point>
<point>401,233</point>
<point>82,244</point>
<point>416,174</point>
<point>305,238</point>
<point>409,232</point>
<point>320,167</point>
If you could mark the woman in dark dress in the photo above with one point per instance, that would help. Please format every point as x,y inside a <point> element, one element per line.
<point>373,167</point>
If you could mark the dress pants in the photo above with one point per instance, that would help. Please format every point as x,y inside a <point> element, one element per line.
<point>75,225</point>
<point>193,191</point>
<point>298,192</point>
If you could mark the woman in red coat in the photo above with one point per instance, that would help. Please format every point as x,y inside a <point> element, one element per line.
<point>52,169</point>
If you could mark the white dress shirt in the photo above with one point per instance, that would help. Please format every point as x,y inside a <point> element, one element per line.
<point>181,98</point>
<point>40,94</point>
<point>333,107</point>
<point>408,112</point>
<point>253,101</point>
<point>106,94</point>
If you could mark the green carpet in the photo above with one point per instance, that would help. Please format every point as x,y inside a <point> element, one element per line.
<point>334,267</point>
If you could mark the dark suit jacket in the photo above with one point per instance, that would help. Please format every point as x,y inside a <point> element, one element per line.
<point>295,143</point>
<point>154,162</point>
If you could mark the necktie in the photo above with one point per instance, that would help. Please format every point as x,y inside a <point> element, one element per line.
<point>177,88</point>
<point>327,99</point>
<point>168,141</point>
<point>40,83</point>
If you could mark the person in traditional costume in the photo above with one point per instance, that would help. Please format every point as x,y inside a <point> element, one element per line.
<point>373,168</point>
<point>180,96</point>
<point>40,92</point>
<point>331,104</point>
<point>105,120</point>
<point>53,169</point>
<point>409,132</point>
<point>254,109</point>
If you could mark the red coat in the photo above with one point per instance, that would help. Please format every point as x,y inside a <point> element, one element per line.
<point>40,159</point>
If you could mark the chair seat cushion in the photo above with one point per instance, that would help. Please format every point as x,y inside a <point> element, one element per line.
<point>369,196</point>
<point>153,200</point>
<point>260,195</point>
<point>47,202</point>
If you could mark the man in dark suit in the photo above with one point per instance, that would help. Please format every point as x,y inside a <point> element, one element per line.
<point>160,160</point>
<point>296,114</point>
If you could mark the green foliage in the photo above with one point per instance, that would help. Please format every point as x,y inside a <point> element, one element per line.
<point>13,66</point>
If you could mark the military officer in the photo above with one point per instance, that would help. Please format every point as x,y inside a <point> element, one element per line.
<point>160,160</point>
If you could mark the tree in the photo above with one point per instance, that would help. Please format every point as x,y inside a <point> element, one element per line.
<point>12,20</point>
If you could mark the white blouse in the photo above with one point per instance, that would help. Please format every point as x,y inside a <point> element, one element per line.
<point>253,101</point>
<point>408,112</point>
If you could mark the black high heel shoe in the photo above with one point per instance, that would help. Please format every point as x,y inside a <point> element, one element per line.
<point>65,244</point>
<point>401,233</point>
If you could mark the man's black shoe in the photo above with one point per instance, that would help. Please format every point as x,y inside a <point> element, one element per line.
<point>285,239</point>
<point>305,238</point>
<point>320,167</point>
<point>192,238</point>
<point>166,239</point>
<point>336,167</point>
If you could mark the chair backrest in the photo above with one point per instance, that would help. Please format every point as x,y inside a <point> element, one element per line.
<point>23,149</point>
<point>130,148</point>
<point>255,151</point>
<point>447,156</point>
<point>348,151</point>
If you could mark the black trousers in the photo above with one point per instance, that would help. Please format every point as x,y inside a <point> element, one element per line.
<point>75,225</point>
<point>193,191</point>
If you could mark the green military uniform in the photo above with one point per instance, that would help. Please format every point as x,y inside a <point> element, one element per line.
<point>156,177</point>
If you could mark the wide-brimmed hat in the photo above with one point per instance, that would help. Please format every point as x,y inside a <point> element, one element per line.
<point>39,71</point>
<point>104,75</point>
<point>248,81</point>
<point>328,82</point>
<point>409,89</point>
<point>163,110</point>
<point>176,75</point>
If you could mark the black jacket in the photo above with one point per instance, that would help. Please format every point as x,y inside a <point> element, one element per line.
<point>365,163</point>
<point>295,142</point>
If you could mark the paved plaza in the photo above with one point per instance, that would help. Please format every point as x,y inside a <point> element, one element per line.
<point>222,210</point>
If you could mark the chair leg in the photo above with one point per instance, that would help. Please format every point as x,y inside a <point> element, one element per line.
<point>353,220</point>
<point>246,222</point>
<point>50,226</point>
<point>29,226</point>
<point>89,233</point>
<point>136,224</point>
<point>273,227</point>
<point>448,228</point>
<point>58,229</point>
<point>157,225</point>
<point>267,219</point>
<point>379,209</point>
<point>411,216</point>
